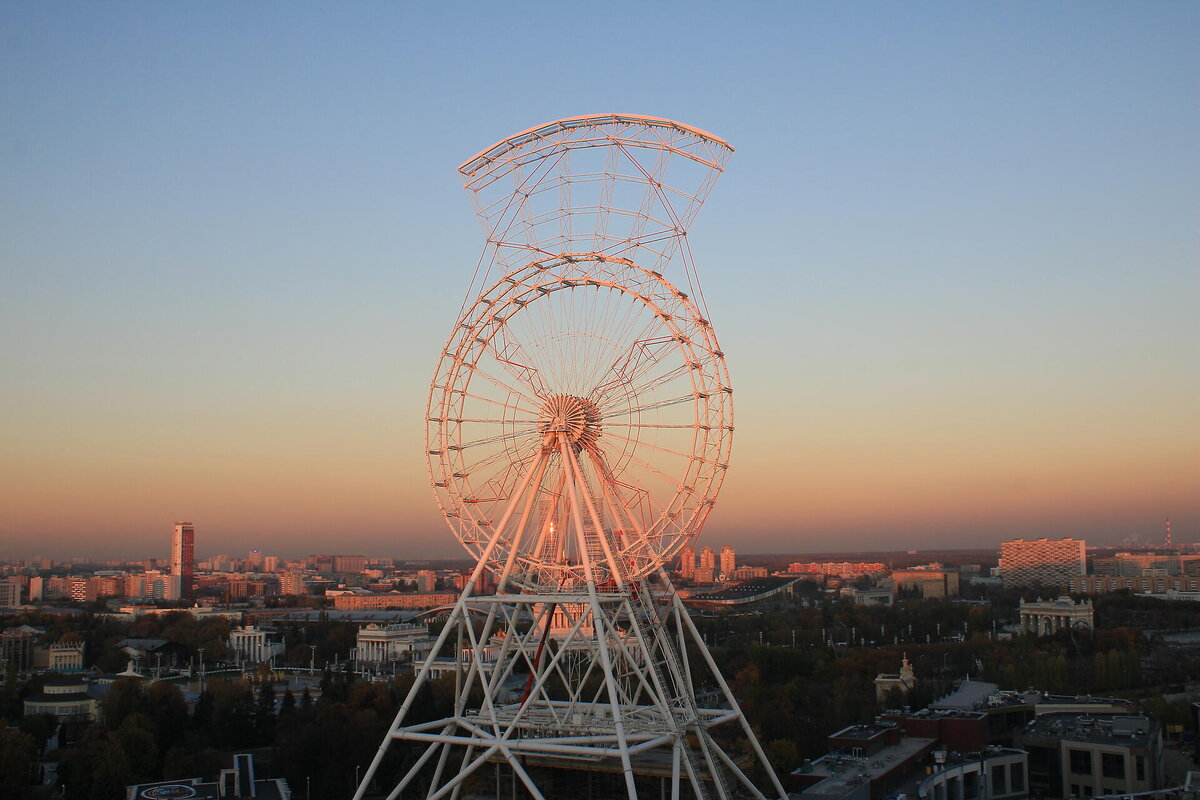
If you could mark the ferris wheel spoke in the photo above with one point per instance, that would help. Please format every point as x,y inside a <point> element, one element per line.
<point>642,354</point>
<point>499,384</point>
<point>629,388</point>
<point>504,456</point>
<point>640,443</point>
<point>655,382</point>
<point>608,425</point>
<point>493,401</point>
<point>500,437</point>
<point>628,455</point>
<point>687,398</point>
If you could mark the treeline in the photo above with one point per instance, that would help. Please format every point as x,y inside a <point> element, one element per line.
<point>147,734</point>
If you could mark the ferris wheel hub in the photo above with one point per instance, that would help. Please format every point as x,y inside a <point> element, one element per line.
<point>575,418</point>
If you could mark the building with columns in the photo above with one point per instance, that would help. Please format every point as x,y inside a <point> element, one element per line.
<point>251,645</point>
<point>1047,617</point>
<point>378,644</point>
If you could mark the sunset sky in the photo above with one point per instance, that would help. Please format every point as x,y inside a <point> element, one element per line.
<point>953,264</point>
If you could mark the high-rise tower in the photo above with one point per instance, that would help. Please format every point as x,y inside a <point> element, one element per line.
<point>183,556</point>
<point>728,560</point>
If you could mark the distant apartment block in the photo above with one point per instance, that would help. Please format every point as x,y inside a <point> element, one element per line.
<point>687,562</point>
<point>426,580</point>
<point>10,594</point>
<point>728,561</point>
<point>292,583</point>
<point>337,565</point>
<point>359,602</point>
<point>928,581</point>
<point>1042,562</point>
<point>1146,584</point>
<point>842,569</point>
<point>1136,565</point>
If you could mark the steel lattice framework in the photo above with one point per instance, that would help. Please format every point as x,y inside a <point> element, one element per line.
<point>578,431</point>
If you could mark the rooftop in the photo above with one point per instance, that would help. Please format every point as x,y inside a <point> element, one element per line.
<point>746,591</point>
<point>969,696</point>
<point>1120,729</point>
<point>840,773</point>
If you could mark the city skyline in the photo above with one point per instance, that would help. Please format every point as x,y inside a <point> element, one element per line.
<point>233,241</point>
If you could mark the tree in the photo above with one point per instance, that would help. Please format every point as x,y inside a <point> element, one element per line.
<point>137,738</point>
<point>264,714</point>
<point>18,752</point>
<point>178,763</point>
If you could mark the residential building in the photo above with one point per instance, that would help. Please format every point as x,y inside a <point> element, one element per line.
<point>1146,584</point>
<point>728,561</point>
<point>291,583</point>
<point>10,594</point>
<point>426,580</point>
<point>81,590</point>
<point>394,600</point>
<point>1042,562</point>
<point>687,562</point>
<point>708,560</point>
<point>842,569</point>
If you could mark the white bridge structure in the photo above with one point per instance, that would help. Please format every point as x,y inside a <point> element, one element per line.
<point>578,431</point>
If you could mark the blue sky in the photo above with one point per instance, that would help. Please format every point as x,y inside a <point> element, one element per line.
<point>953,261</point>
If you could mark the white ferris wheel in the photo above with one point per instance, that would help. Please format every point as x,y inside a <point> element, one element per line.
<point>578,431</point>
<point>579,392</point>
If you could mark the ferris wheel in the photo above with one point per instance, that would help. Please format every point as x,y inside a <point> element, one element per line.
<point>578,430</point>
<point>580,419</point>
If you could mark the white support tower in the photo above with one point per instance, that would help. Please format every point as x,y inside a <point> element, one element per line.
<point>579,426</point>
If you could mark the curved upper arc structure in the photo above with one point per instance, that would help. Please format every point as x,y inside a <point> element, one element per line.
<point>622,185</point>
<point>482,159</point>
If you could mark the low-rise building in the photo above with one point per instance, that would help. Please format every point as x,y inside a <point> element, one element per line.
<point>238,782</point>
<point>929,581</point>
<point>252,645</point>
<point>64,698</point>
<point>394,600</point>
<point>902,681</point>
<point>865,762</point>
<point>378,644</point>
<point>996,773</point>
<point>1087,755</point>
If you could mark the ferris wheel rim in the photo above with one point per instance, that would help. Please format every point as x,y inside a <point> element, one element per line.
<point>460,511</point>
